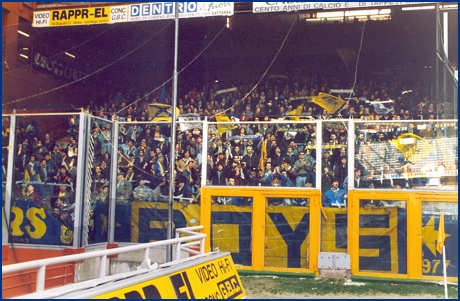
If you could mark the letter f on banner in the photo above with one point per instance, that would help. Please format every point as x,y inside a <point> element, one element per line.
<point>182,286</point>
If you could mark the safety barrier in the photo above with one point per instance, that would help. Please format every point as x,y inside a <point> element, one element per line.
<point>194,239</point>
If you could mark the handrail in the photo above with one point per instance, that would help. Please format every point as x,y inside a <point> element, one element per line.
<point>41,264</point>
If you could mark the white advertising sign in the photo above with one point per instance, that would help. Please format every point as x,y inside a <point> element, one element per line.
<point>268,7</point>
<point>130,13</point>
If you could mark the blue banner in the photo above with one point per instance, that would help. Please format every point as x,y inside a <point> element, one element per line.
<point>31,224</point>
<point>122,222</point>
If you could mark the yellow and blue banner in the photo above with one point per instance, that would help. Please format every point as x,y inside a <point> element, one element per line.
<point>31,224</point>
<point>161,112</point>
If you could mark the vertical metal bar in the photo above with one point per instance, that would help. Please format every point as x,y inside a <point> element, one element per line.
<point>102,266</point>
<point>445,58</point>
<point>146,254</point>
<point>438,94</point>
<point>80,183</point>
<point>204,153</point>
<point>113,183</point>
<point>177,250</point>
<point>446,33</point>
<point>41,273</point>
<point>319,155</point>
<point>87,188</point>
<point>172,162</point>
<point>351,155</point>
<point>9,178</point>
<point>202,246</point>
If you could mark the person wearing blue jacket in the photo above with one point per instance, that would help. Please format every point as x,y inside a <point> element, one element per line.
<point>335,196</point>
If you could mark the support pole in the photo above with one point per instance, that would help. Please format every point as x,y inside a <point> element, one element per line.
<point>444,270</point>
<point>172,161</point>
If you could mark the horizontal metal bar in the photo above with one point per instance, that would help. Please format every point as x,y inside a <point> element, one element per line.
<point>36,264</point>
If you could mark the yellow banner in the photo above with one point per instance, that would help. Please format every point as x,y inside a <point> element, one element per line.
<point>223,128</point>
<point>287,237</point>
<point>214,279</point>
<point>328,102</point>
<point>79,16</point>
<point>413,147</point>
<point>296,113</point>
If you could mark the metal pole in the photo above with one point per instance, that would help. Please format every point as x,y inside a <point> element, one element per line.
<point>445,64</point>
<point>80,181</point>
<point>204,153</point>
<point>444,270</point>
<point>113,182</point>
<point>437,58</point>
<point>9,178</point>
<point>172,161</point>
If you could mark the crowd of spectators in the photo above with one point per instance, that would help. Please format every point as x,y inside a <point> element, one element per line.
<point>252,154</point>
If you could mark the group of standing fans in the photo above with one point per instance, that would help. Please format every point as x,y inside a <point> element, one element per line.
<point>251,154</point>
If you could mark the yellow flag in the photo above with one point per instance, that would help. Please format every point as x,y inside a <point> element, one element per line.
<point>412,146</point>
<point>263,155</point>
<point>441,234</point>
<point>322,209</point>
<point>296,113</point>
<point>328,102</point>
<point>223,128</point>
<point>160,112</point>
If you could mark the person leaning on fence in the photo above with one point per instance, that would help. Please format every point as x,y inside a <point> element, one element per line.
<point>334,195</point>
<point>31,195</point>
<point>103,196</point>
<point>183,189</point>
<point>142,193</point>
<point>124,189</point>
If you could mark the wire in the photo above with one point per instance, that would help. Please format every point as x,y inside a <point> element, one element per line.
<point>91,74</point>
<point>179,72</point>
<point>71,48</point>
<point>355,75</point>
<point>357,60</point>
<point>264,74</point>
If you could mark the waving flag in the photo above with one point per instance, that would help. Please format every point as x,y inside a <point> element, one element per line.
<point>413,147</point>
<point>441,234</point>
<point>296,113</point>
<point>234,89</point>
<point>223,128</point>
<point>328,102</point>
<point>379,108</point>
<point>160,112</point>
<point>263,154</point>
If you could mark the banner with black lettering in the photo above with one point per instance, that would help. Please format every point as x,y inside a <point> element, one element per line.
<point>382,233</point>
<point>287,236</point>
<point>32,225</point>
<point>231,231</point>
<point>150,220</point>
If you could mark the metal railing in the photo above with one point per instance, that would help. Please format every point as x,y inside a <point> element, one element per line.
<point>181,244</point>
